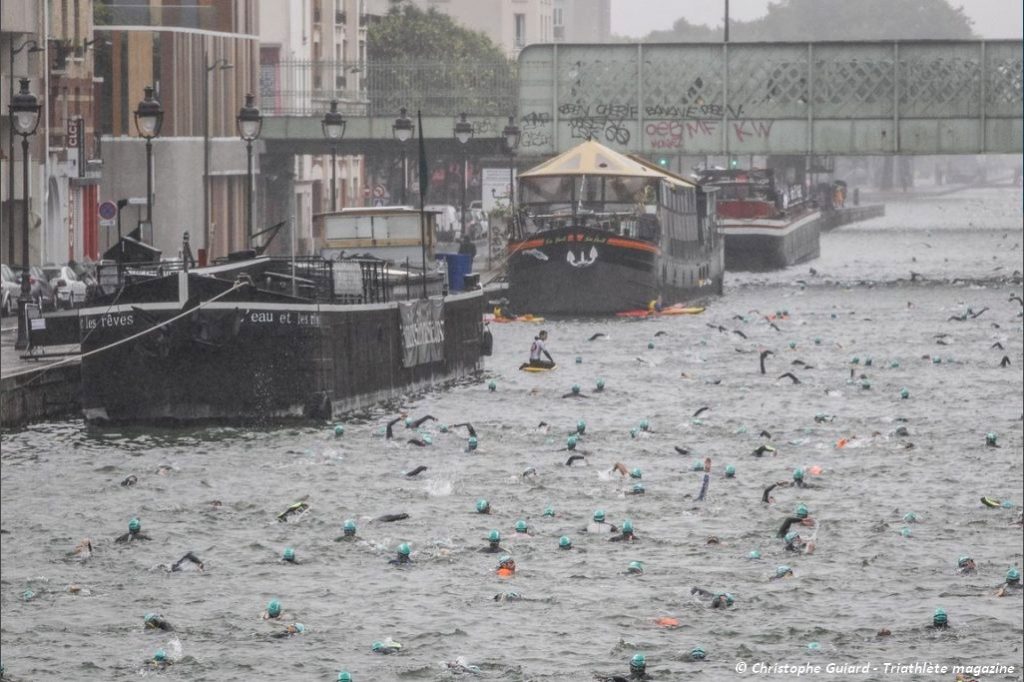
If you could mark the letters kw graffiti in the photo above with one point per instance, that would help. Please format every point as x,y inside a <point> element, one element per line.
<point>675,134</point>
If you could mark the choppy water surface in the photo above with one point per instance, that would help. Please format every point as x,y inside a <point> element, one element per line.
<point>61,484</point>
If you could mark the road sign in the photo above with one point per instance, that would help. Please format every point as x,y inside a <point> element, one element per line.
<point>108,210</point>
<point>378,191</point>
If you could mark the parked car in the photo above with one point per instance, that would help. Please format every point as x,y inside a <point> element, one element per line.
<point>10,292</point>
<point>40,291</point>
<point>68,288</point>
<point>447,222</point>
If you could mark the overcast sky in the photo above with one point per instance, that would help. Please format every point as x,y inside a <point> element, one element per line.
<point>992,18</point>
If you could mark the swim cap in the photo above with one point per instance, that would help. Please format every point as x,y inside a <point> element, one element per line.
<point>549,511</point>
<point>940,617</point>
<point>427,438</point>
<point>149,617</point>
<point>854,360</point>
<point>813,646</point>
<point>491,386</point>
<point>962,561</point>
<point>28,595</point>
<point>817,339</point>
<point>798,474</point>
<point>289,554</point>
<point>564,542</point>
<point>571,441</point>
<point>482,505</point>
<point>936,360</point>
<point>905,532</point>
<point>792,344</point>
<point>349,527</point>
<point>521,526</point>
<point>579,360</point>
<point>599,515</point>
<point>581,426</point>
<point>339,430</point>
<point>627,526</point>
<point>868,362</point>
<point>505,559</point>
<point>644,425</point>
<point>1013,575</point>
<point>904,394</point>
<point>783,570</point>
<point>377,646</point>
<point>730,471</point>
<point>443,428</point>
<point>990,438</point>
<point>791,537</point>
<point>801,511</point>
<point>636,567</point>
<point>894,364</point>
<point>600,384</point>
<point>697,654</point>
<point>1007,504</point>
<point>300,628</point>
<point>638,489</point>
<point>408,421</point>
<point>274,608</point>
<point>160,656</point>
<point>494,536</point>
<point>471,443</point>
<point>650,345</point>
<point>575,389</point>
<point>134,526</point>
<point>865,384</point>
<point>344,677</point>
<point>638,662</point>
<point>754,554</point>
<point>726,597</point>
<point>636,473</point>
<point>910,517</point>
<point>403,549</point>
<point>633,432</point>
<point>697,465</point>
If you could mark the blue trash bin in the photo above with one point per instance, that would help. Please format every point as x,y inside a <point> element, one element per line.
<point>459,265</point>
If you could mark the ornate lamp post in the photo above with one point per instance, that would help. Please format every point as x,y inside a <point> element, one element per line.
<point>464,133</point>
<point>222,65</point>
<point>24,118</point>
<point>32,46</point>
<point>250,123</point>
<point>403,130</point>
<point>333,125</point>
<point>512,135</point>
<point>149,117</point>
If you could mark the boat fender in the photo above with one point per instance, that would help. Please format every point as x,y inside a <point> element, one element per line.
<point>487,343</point>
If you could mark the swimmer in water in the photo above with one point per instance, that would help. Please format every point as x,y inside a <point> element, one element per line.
<point>794,543</point>
<point>134,532</point>
<point>782,572</point>
<point>391,518</point>
<point>507,596</point>
<point>160,660</point>
<point>290,630</point>
<point>537,350</point>
<point>389,432</point>
<point>800,516</point>
<point>410,424</point>
<point>386,648</point>
<point>83,550</point>
<point>599,525</point>
<point>717,600</point>
<point>623,471</point>
<point>154,621</point>
<point>637,489</point>
<point>764,355</point>
<point>965,566</point>
<point>626,534</point>
<point>798,479</point>
<point>575,458</point>
<point>493,544</point>
<point>274,611</point>
<point>574,392</point>
<point>637,671</point>
<point>297,509</point>
<point>184,562</point>
<point>402,556</point>
<point>130,481</point>
<point>761,449</point>
<point>1012,584</point>
<point>483,506</point>
<point>506,566</point>
<point>348,531</point>
<point>940,621</point>
<point>469,428</point>
<point>421,441</point>
<point>415,472</point>
<point>766,496</point>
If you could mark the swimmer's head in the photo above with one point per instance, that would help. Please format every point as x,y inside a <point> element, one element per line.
<point>494,536</point>
<point>443,428</point>
<point>344,676</point>
<point>963,561</point>
<point>904,394</point>
<point>754,554</point>
<point>798,474</point>
<point>940,617</point>
<point>521,526</point>
<point>791,537</point>
<point>289,554</point>
<point>579,360</point>
<point>854,360</point>
<point>801,511</point>
<point>426,438</point>
<point>491,386</point>
<point>339,430</point>
<point>599,516</point>
<point>723,599</point>
<point>636,473</point>
<point>635,567</point>
<point>1013,576</point>
<point>377,646</point>
<point>564,542</point>
<point>408,422</point>
<point>274,608</point>
<point>783,571</point>
<point>575,389</point>
<point>990,438</point>
<point>792,344</point>
<point>633,432</point>
<point>483,506</point>
<point>300,628</point>
<point>905,532</point>
<point>697,465</point>
<point>581,426</point>
<point>730,471</point>
<point>404,549</point>
<point>549,511</point>
<point>650,345</point>
<point>600,384</point>
<point>627,526</point>
<point>571,441</point>
<point>471,443</point>
<point>909,517</point>
<point>350,527</point>
<point>160,656</point>
<point>644,425</point>
<point>697,653</point>
<point>638,663</point>
<point>134,526</point>
<point>638,489</point>
<point>505,561</point>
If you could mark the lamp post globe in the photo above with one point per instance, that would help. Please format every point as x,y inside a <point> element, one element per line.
<point>464,133</point>
<point>333,125</point>
<point>402,130</point>
<point>25,118</point>
<point>250,123</point>
<point>149,116</point>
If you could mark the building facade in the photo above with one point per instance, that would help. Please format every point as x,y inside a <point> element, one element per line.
<point>581,21</point>
<point>510,24</point>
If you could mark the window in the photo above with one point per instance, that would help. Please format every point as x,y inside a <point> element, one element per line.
<point>520,29</point>
<point>557,13</point>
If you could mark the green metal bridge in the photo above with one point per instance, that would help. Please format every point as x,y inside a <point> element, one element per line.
<point>913,97</point>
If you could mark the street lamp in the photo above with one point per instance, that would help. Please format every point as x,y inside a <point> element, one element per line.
<point>403,130</point>
<point>148,119</point>
<point>464,133</point>
<point>223,65</point>
<point>333,125</point>
<point>24,119</point>
<point>250,122</point>
<point>512,135</point>
<point>32,46</point>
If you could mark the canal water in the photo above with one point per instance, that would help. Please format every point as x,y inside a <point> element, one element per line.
<point>217,492</point>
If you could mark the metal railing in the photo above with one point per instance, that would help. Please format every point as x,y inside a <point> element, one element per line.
<point>305,88</point>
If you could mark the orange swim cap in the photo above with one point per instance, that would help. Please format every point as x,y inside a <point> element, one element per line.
<point>666,622</point>
<point>842,443</point>
<point>814,470</point>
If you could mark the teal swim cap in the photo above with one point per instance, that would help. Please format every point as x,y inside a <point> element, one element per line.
<point>801,511</point>
<point>344,676</point>
<point>491,386</point>
<point>865,384</point>
<point>910,517</point>
<point>638,662</point>
<point>274,608</point>
<point>404,549</point>
<point>940,617</point>
<point>905,532</point>
<point>549,511</point>
<point>650,345</point>
<point>644,425</point>
<point>962,561</point>
<point>990,438</point>
<point>494,536</point>
<point>730,471</point>
<point>783,570</point>
<point>798,474</point>
<point>636,567</point>
<point>600,384</point>
<point>581,426</point>
<point>579,359</point>
<point>627,526</point>
<point>936,360</point>
<point>754,554</point>
<point>894,364</point>
<point>564,542</point>
<point>575,389</point>
<point>1013,575</point>
<point>134,526</point>
<point>339,430</point>
<point>638,489</point>
<point>571,441</point>
<point>149,617</point>
<point>482,506</point>
<point>160,656</point>
<point>817,340</point>
<point>868,362</point>
<point>854,360</point>
<point>792,344</point>
<point>300,628</point>
<point>443,428</point>
<point>521,526</point>
<point>599,516</point>
<point>791,537</point>
<point>813,646</point>
<point>636,473</point>
<point>377,646</point>
<point>697,654</point>
<point>633,432</point>
<point>408,421</point>
<point>472,443</point>
<point>349,527</point>
<point>504,559</point>
<point>289,554</point>
<point>426,437</point>
<point>697,465</point>
<point>28,595</point>
<point>904,394</point>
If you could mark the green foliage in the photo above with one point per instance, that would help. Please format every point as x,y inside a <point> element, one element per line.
<point>409,34</point>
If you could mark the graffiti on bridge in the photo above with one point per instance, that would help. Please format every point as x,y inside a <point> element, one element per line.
<point>674,134</point>
<point>696,111</point>
<point>535,130</point>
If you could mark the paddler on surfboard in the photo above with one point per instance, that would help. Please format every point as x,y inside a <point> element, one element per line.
<point>538,353</point>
